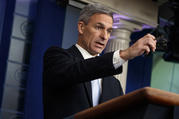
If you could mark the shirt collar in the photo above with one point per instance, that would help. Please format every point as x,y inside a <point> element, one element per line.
<point>84,53</point>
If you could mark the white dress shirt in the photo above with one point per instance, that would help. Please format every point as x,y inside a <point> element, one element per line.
<point>97,83</point>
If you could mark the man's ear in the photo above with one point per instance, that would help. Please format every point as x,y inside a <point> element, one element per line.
<point>81,26</point>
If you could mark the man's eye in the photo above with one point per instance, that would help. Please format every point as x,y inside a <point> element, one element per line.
<point>99,27</point>
<point>109,31</point>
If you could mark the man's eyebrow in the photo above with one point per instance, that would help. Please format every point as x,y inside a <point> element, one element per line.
<point>104,26</point>
<point>101,24</point>
<point>110,29</point>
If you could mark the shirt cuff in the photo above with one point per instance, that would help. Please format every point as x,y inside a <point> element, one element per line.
<point>117,60</point>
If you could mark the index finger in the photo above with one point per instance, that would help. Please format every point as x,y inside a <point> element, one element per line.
<point>151,36</point>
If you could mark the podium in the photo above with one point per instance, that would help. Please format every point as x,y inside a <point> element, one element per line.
<point>145,103</point>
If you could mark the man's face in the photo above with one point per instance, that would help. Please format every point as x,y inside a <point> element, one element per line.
<point>94,35</point>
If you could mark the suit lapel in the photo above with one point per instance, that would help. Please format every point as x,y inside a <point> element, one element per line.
<point>106,90</point>
<point>111,88</point>
<point>88,89</point>
<point>87,85</point>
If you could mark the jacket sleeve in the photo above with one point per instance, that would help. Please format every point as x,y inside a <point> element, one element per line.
<point>65,69</point>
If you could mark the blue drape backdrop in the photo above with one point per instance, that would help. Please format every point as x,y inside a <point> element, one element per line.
<point>47,32</point>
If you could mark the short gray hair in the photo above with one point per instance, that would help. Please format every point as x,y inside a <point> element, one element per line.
<point>91,9</point>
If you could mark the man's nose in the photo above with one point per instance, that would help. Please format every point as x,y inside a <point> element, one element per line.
<point>104,35</point>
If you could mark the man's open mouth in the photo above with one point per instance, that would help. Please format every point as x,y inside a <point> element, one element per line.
<point>99,44</point>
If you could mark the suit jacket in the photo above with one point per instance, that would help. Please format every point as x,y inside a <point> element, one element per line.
<point>66,81</point>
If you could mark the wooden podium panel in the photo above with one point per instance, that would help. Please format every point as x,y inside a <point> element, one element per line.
<point>145,103</point>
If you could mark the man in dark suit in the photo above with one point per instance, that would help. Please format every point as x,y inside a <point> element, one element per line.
<point>77,78</point>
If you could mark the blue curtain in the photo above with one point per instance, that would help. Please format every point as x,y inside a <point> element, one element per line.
<point>139,68</point>
<point>6,19</point>
<point>48,31</point>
